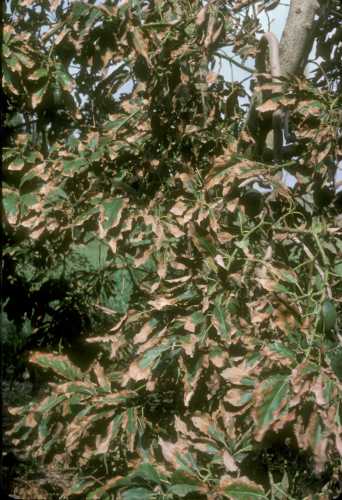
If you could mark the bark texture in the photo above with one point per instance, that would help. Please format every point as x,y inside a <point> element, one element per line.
<point>298,36</point>
<point>295,46</point>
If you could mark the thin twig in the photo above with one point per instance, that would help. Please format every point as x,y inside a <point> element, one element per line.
<point>232,60</point>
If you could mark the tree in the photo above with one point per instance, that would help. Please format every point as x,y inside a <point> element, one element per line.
<point>189,321</point>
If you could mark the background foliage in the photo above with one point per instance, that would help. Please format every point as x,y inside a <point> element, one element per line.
<point>186,321</point>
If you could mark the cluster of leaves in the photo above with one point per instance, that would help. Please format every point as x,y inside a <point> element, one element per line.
<point>221,300</point>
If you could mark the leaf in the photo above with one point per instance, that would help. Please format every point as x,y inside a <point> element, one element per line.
<point>338,269</point>
<point>112,212</point>
<point>229,462</point>
<point>182,490</point>
<point>137,494</point>
<point>50,402</point>
<point>61,365</point>
<point>145,331</point>
<point>242,489</point>
<point>10,199</point>
<point>148,472</point>
<point>16,165</point>
<point>269,105</point>
<point>38,96</point>
<point>118,298</point>
<point>172,452</point>
<point>328,315</point>
<point>270,399</point>
<point>94,253</point>
<point>140,44</point>
<point>150,356</point>
<point>220,322</point>
<point>64,79</point>
<point>71,167</point>
<point>38,74</point>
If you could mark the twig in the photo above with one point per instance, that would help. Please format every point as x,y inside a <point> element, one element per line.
<point>232,60</point>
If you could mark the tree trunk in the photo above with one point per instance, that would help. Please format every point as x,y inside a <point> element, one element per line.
<point>297,39</point>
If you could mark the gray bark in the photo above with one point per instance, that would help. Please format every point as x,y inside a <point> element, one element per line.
<point>295,46</point>
<point>296,41</point>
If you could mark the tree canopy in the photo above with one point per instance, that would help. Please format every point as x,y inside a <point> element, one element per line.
<point>181,299</point>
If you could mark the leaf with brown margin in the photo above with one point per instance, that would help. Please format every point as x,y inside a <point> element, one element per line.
<point>171,451</point>
<point>179,208</point>
<point>238,397</point>
<point>135,372</point>
<point>238,375</point>
<point>202,422</point>
<point>270,399</point>
<point>241,488</point>
<point>145,331</point>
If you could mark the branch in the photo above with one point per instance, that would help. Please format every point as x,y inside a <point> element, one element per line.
<point>298,36</point>
<point>233,61</point>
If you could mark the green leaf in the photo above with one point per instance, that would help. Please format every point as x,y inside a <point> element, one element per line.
<point>280,348</point>
<point>78,9</point>
<point>243,489</point>
<point>50,403</point>
<point>80,388</point>
<point>112,212</point>
<point>148,472</point>
<point>38,74</point>
<point>26,201</point>
<point>182,490</point>
<point>10,199</point>
<point>38,96</point>
<point>61,365</point>
<point>94,253</point>
<point>328,315</point>
<point>64,79</point>
<point>271,396</point>
<point>150,356</point>
<point>220,316</point>
<point>118,298</point>
<point>29,176</point>
<point>282,289</point>
<point>71,167</point>
<point>56,196</point>
<point>338,269</point>
<point>137,494</point>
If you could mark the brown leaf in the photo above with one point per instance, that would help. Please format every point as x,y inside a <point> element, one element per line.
<point>162,302</point>
<point>140,44</point>
<point>189,325</point>
<point>318,389</point>
<point>141,337</point>
<point>135,372</point>
<point>189,344</point>
<point>268,284</point>
<point>201,16</point>
<point>175,231</point>
<point>235,374</point>
<point>102,379</point>
<point>269,105</point>
<point>102,443</point>
<point>202,423</point>
<point>229,462</point>
<point>179,208</point>
<point>235,397</point>
<point>171,450</point>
